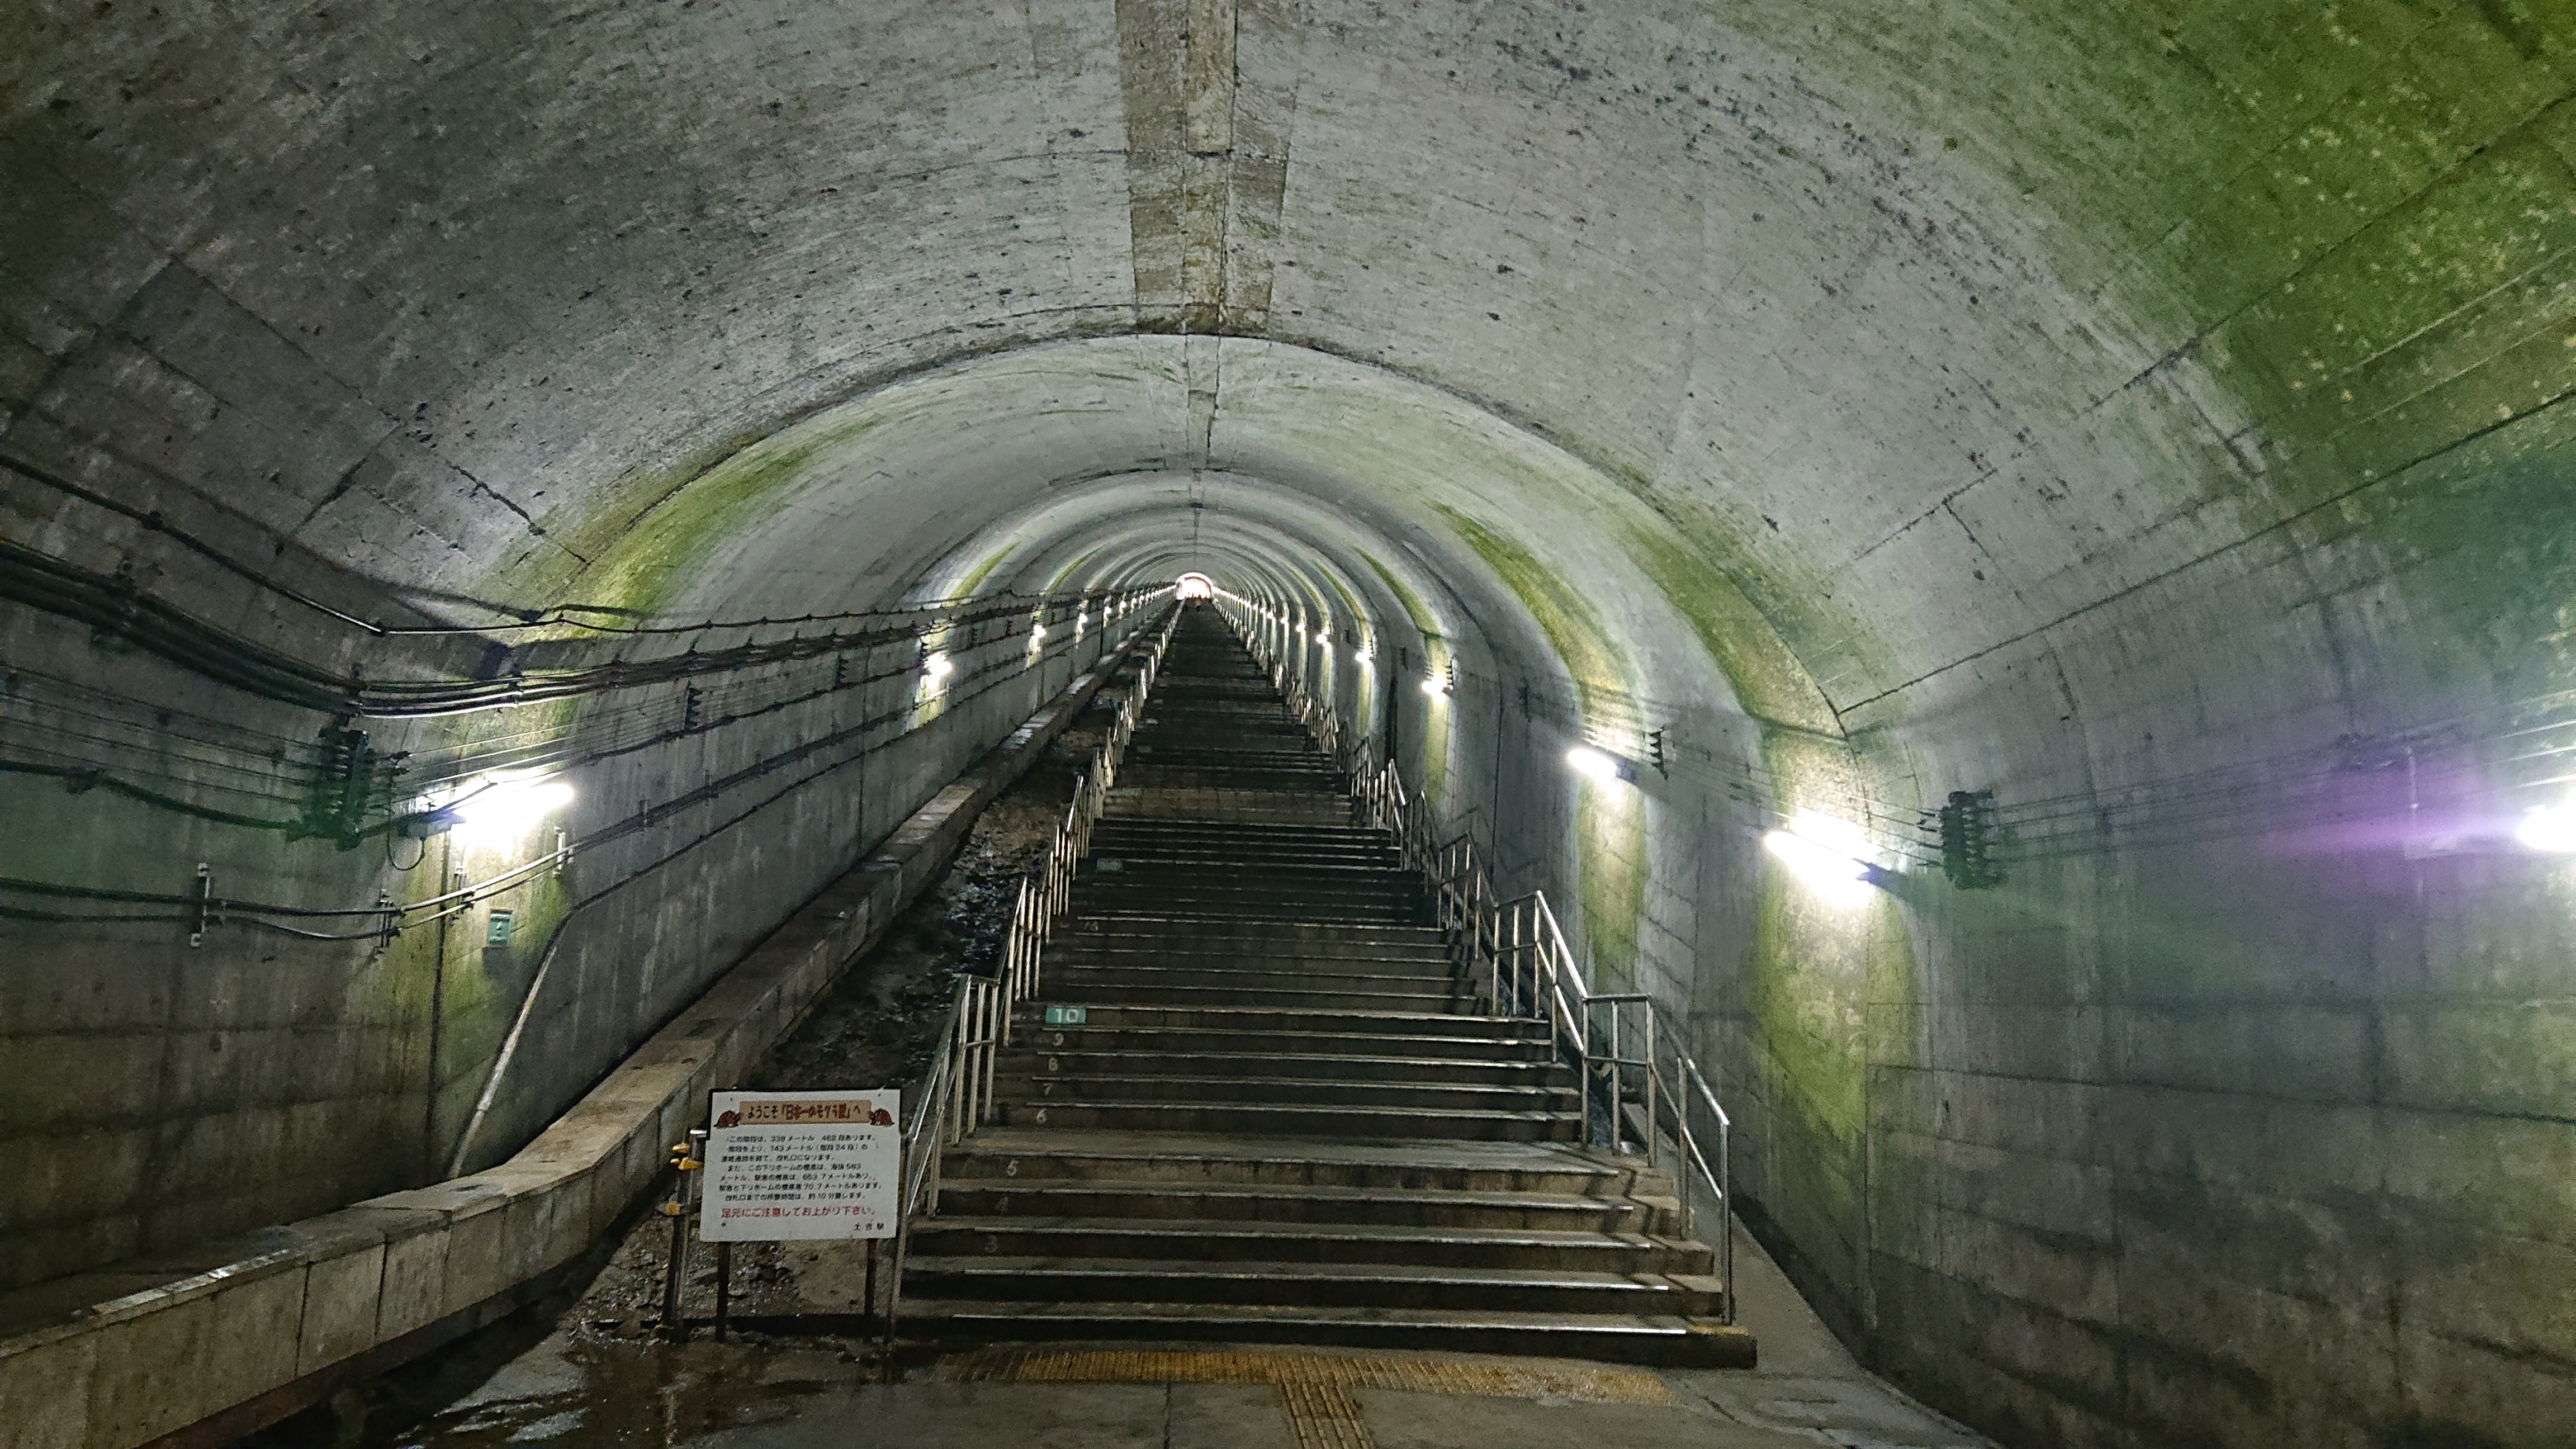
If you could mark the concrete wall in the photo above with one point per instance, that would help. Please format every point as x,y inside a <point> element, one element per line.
<point>2112,406</point>
<point>167,1094</point>
<point>214,1341</point>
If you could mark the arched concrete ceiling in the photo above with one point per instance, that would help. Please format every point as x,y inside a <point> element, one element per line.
<point>1932,331</point>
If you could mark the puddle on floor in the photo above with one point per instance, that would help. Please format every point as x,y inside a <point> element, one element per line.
<point>573,1390</point>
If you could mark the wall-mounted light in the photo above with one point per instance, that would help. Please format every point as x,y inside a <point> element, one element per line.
<point>1365,656</point>
<point>1599,764</point>
<point>1323,636</point>
<point>2549,829</point>
<point>1435,686</point>
<point>501,809</point>
<point>1829,856</point>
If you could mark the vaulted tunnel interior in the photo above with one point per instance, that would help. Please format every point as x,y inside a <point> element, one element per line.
<point>2148,422</point>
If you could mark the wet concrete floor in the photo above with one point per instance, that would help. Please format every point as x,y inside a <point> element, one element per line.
<point>566,1387</point>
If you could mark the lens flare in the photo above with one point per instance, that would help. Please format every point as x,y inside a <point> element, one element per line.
<point>2549,829</point>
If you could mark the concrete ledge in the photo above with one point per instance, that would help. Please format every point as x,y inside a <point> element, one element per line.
<point>205,1346</point>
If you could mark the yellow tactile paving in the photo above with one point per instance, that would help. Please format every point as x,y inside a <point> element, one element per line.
<point>1314,1388</point>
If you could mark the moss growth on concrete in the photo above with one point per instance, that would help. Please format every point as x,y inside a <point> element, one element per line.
<point>1610,838</point>
<point>1812,972</point>
<point>1770,683</point>
<point>1572,629</point>
<point>646,564</point>
<point>1055,582</point>
<point>975,577</point>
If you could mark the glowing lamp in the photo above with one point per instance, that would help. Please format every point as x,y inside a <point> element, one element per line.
<point>1827,855</point>
<point>505,807</point>
<point>2549,829</point>
<point>1599,765</point>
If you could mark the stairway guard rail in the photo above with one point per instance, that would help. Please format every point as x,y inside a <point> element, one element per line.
<point>1511,954</point>
<point>957,1092</point>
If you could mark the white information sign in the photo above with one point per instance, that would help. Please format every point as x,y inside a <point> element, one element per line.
<point>800,1166</point>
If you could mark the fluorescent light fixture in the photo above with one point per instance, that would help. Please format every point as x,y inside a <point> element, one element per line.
<point>1599,765</point>
<point>1829,856</point>
<point>2549,829</point>
<point>505,807</point>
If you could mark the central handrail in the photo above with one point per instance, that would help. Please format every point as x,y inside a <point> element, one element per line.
<point>957,1091</point>
<point>1511,958</point>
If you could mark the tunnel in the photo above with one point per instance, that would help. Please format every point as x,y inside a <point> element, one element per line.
<point>2007,569</point>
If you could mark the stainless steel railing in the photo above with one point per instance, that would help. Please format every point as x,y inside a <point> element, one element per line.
<point>957,1092</point>
<point>1511,959</point>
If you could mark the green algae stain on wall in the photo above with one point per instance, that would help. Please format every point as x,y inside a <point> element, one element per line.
<point>1813,973</point>
<point>647,563</point>
<point>983,570</point>
<point>1770,684</point>
<point>1610,835</point>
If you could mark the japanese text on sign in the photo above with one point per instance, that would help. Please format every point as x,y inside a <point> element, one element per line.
<point>801,1165</point>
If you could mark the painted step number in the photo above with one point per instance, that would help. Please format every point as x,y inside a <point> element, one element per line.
<point>1067,1015</point>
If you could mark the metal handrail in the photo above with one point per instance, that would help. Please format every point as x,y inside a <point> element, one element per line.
<point>957,1091</point>
<point>1512,956</point>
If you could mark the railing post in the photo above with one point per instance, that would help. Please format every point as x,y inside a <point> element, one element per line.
<point>1726,1214</point>
<point>1652,1130</point>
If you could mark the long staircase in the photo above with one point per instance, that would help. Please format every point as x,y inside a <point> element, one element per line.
<point>1252,1103</point>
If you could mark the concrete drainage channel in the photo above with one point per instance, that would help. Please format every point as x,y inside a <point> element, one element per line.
<point>205,1348</point>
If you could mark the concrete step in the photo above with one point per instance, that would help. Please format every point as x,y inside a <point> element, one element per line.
<point>1180,1042</point>
<point>1102,989</point>
<point>1296,938</point>
<point>1311,1285</point>
<point>1423,978</point>
<point>1563,1168</point>
<point>1610,1338</point>
<point>1184,827</point>
<point>1112,879</point>
<point>1224,1242</point>
<point>1079,1198</point>
<point>1156,1060</point>
<point>1276,1021</point>
<point>1183,913</point>
<point>1094,958</point>
<point>1291,1119</point>
<point>1047,1088</point>
<point>1200,803</point>
<point>1284,862</point>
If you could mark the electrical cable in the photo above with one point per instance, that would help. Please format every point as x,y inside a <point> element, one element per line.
<point>115,609</point>
<point>567,754</point>
<point>405,915</point>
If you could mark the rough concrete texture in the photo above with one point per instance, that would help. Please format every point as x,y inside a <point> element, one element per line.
<point>227,1336</point>
<point>2153,414</point>
<point>574,1383</point>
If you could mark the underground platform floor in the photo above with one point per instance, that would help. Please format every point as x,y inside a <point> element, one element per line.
<point>572,1393</point>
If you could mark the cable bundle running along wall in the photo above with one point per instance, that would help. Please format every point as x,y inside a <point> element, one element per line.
<point>388,918</point>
